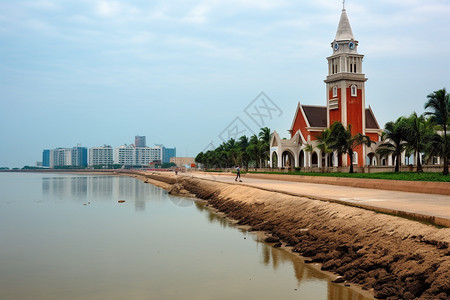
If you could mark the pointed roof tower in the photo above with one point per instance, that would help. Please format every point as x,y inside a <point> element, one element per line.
<point>344,31</point>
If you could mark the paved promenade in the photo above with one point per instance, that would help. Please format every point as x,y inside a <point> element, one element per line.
<point>427,207</point>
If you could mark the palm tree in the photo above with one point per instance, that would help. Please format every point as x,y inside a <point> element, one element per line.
<point>232,149</point>
<point>322,142</point>
<point>342,140</point>
<point>200,159</point>
<point>253,150</point>
<point>265,134</point>
<point>417,132</point>
<point>439,103</point>
<point>436,147</point>
<point>264,138</point>
<point>393,141</point>
<point>243,145</point>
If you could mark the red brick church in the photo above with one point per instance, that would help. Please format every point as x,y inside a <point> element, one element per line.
<point>345,103</point>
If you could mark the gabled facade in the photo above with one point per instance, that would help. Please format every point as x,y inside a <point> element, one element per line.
<point>345,102</point>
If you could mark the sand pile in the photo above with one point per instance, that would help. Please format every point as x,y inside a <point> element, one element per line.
<point>395,258</point>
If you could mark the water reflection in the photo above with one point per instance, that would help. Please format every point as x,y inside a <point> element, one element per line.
<point>110,188</point>
<point>276,257</point>
<point>212,216</point>
<point>99,188</point>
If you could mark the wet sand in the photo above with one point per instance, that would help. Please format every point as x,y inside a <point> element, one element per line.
<point>388,256</point>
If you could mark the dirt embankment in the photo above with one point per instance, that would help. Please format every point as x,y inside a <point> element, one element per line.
<point>395,258</point>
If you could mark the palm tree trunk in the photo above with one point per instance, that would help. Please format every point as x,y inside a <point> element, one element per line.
<point>445,172</point>
<point>419,164</point>
<point>397,163</point>
<point>445,166</point>
<point>351,161</point>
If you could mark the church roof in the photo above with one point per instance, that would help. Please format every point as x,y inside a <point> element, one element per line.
<point>344,31</point>
<point>371,122</point>
<point>316,115</point>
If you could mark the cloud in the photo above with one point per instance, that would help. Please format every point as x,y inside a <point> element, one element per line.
<point>257,4</point>
<point>198,14</point>
<point>46,5</point>
<point>108,8</point>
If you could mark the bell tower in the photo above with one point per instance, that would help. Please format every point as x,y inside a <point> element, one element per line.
<point>345,81</point>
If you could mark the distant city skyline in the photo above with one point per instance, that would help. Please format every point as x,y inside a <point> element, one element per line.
<point>188,74</point>
<point>137,154</point>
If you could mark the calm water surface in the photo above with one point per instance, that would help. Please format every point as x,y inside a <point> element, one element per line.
<point>67,237</point>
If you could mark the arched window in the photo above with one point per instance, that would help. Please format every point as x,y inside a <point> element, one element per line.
<point>334,91</point>
<point>314,159</point>
<point>355,158</point>
<point>354,90</point>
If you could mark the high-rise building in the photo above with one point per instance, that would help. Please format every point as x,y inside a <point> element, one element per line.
<point>139,141</point>
<point>62,157</point>
<point>65,157</point>
<point>125,155</point>
<point>101,156</point>
<point>146,155</point>
<point>79,157</point>
<point>137,156</point>
<point>168,153</point>
<point>47,158</point>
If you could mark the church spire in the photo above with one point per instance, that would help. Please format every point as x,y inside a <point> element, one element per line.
<point>344,31</point>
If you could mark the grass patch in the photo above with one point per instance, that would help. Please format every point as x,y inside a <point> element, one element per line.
<point>409,176</point>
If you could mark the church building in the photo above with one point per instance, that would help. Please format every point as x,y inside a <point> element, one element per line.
<point>345,86</point>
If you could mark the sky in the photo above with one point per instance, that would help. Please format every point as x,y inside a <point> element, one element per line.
<point>192,73</point>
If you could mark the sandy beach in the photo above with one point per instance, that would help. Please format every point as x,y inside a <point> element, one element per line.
<point>388,256</point>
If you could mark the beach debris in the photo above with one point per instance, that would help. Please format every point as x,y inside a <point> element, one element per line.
<point>340,279</point>
<point>277,245</point>
<point>121,201</point>
<point>271,239</point>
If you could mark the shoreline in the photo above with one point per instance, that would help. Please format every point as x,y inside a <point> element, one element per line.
<point>262,236</point>
<point>424,187</point>
<point>387,256</point>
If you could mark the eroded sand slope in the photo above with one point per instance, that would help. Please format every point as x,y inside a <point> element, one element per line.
<point>394,257</point>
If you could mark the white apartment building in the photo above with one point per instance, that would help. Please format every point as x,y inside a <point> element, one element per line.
<point>101,156</point>
<point>125,155</point>
<point>62,157</point>
<point>130,155</point>
<point>145,155</point>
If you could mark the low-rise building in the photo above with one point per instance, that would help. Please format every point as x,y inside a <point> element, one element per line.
<point>183,161</point>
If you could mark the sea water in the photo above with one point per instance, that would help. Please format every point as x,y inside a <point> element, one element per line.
<point>68,237</point>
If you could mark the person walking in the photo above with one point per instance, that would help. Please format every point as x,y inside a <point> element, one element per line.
<point>238,174</point>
